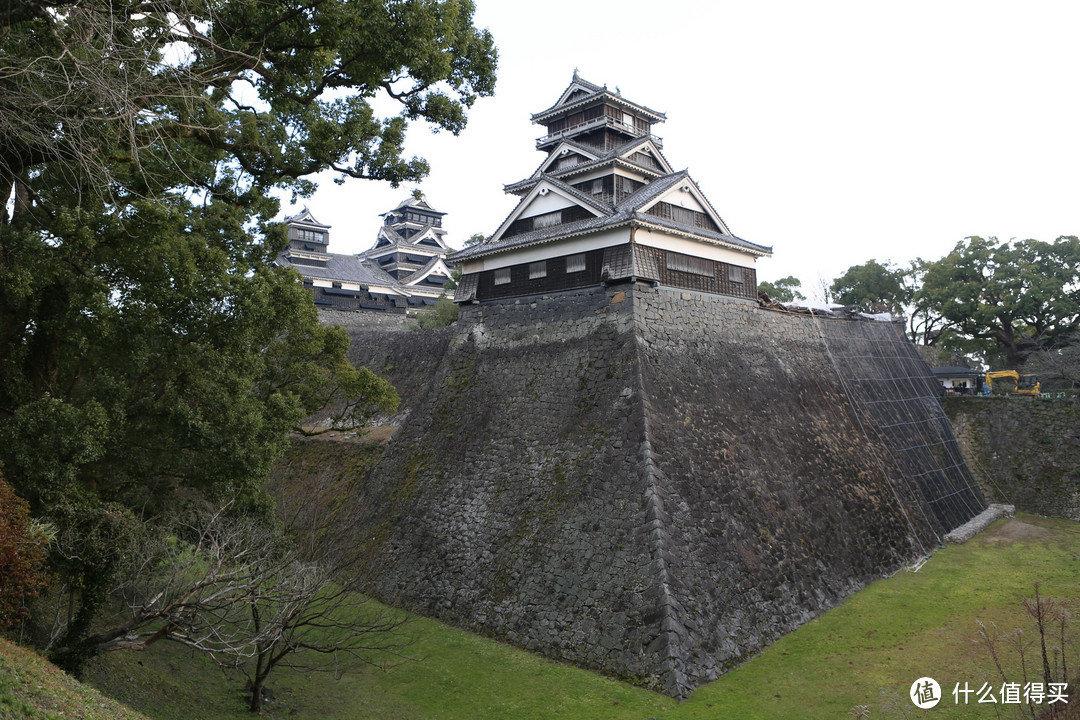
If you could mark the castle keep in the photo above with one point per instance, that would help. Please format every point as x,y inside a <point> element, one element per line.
<point>605,206</point>
<point>617,457</point>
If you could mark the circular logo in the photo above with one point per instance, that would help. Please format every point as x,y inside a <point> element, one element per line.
<point>925,693</point>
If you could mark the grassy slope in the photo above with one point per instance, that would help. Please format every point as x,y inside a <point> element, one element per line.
<point>33,689</point>
<point>865,652</point>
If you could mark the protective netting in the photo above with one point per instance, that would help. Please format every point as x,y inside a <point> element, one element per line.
<point>897,401</point>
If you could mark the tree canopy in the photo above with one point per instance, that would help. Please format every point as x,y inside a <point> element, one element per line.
<point>1002,301</point>
<point>874,287</point>
<point>784,290</point>
<point>1019,296</point>
<point>150,350</point>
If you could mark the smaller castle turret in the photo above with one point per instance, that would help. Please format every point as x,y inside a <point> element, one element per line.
<point>405,269</point>
<point>410,247</point>
<point>308,239</point>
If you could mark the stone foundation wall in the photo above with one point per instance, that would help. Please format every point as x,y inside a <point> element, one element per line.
<point>364,319</point>
<point>1023,452</point>
<point>655,484</point>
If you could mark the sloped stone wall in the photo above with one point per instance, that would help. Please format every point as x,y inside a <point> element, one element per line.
<point>652,483</point>
<point>1023,452</point>
<point>784,488</point>
<point>511,503</point>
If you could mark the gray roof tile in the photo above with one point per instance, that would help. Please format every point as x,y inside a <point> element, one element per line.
<point>606,157</point>
<point>626,212</point>
<point>344,268</point>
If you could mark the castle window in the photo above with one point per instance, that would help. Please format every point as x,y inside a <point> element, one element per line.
<point>309,236</point>
<point>684,216</point>
<point>690,264</point>
<point>575,263</point>
<point>502,276</point>
<point>567,162</point>
<point>537,270</point>
<point>536,222</point>
<point>735,273</point>
<point>547,219</point>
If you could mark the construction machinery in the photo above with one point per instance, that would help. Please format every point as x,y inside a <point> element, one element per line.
<point>1010,382</point>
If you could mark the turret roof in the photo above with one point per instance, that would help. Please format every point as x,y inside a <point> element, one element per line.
<point>414,202</point>
<point>629,211</point>
<point>602,158</point>
<point>592,92</point>
<point>344,268</point>
<point>304,217</point>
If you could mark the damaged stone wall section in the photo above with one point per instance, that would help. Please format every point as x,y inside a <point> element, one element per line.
<point>980,522</point>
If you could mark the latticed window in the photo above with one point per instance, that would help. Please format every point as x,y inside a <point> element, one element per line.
<point>689,264</point>
<point>537,270</point>
<point>735,273</point>
<point>547,219</point>
<point>502,276</point>
<point>575,263</point>
<point>624,187</point>
<point>645,160</point>
<point>536,222</point>
<point>684,216</point>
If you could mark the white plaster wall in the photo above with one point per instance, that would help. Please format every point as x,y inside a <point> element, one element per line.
<point>617,236</point>
<point>692,247</point>
<point>683,200</point>
<point>546,203</point>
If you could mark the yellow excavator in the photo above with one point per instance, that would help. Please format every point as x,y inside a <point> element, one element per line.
<point>1012,383</point>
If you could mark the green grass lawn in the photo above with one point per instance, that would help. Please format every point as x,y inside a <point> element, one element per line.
<point>868,651</point>
<point>33,689</point>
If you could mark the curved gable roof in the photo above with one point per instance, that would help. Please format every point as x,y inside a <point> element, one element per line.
<point>630,211</point>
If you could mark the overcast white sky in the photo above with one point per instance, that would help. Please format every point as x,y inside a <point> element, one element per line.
<point>835,132</point>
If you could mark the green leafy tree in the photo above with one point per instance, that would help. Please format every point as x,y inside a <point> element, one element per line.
<point>874,287</point>
<point>150,353</point>
<point>784,290</point>
<point>444,313</point>
<point>926,324</point>
<point>1008,298</point>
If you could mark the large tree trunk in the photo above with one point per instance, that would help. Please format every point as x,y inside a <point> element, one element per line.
<point>262,671</point>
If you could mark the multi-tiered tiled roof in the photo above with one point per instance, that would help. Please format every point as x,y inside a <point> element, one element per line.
<point>406,267</point>
<point>605,182</point>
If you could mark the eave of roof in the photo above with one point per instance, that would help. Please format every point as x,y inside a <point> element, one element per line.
<point>603,95</point>
<point>344,268</point>
<point>408,202</point>
<point>611,156</point>
<point>625,214</point>
<point>311,221</point>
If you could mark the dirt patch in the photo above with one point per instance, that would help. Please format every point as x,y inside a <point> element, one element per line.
<point>1014,530</point>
